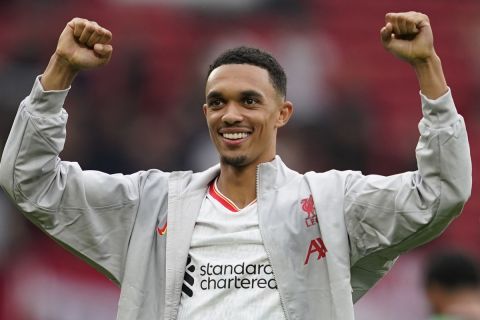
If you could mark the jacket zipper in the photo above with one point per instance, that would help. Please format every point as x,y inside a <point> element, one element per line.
<point>282,303</point>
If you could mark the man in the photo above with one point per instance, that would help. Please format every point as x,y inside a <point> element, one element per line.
<point>452,284</point>
<point>248,238</point>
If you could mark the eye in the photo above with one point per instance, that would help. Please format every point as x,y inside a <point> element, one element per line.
<point>215,103</point>
<point>250,101</point>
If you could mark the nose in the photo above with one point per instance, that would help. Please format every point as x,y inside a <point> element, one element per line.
<point>232,114</point>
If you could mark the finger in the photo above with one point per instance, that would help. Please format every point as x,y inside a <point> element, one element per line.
<point>422,21</point>
<point>402,25</point>
<point>393,19</point>
<point>418,18</point>
<point>386,33</point>
<point>87,32</point>
<point>103,50</point>
<point>396,27</point>
<point>106,37</point>
<point>388,17</point>
<point>412,27</point>
<point>78,25</point>
<point>408,23</point>
<point>95,37</point>
<point>411,17</point>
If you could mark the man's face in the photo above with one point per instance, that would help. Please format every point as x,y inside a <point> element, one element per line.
<point>243,111</point>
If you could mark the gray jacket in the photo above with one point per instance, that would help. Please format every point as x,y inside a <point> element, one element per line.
<point>365,222</point>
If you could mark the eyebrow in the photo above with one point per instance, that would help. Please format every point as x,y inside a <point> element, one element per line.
<point>214,94</point>
<point>246,93</point>
<point>251,93</point>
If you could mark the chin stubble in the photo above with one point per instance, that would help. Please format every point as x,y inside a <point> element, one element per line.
<point>239,161</point>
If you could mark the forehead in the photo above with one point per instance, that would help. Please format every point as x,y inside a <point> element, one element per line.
<point>239,77</point>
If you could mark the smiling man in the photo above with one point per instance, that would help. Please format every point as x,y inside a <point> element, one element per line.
<point>248,238</point>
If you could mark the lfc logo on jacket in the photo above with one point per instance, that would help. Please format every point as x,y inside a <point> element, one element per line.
<point>309,208</point>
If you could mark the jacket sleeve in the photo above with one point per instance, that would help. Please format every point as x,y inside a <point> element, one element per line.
<point>386,216</point>
<point>90,212</point>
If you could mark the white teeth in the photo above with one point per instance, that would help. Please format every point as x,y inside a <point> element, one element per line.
<point>235,136</point>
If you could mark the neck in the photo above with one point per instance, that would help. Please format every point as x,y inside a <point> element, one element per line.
<point>238,183</point>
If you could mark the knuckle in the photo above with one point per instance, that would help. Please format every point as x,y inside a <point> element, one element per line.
<point>89,26</point>
<point>82,22</point>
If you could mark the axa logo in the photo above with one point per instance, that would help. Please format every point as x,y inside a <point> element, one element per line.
<point>316,247</point>
<point>188,279</point>
<point>309,208</point>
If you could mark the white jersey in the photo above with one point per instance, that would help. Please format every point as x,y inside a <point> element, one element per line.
<point>228,274</point>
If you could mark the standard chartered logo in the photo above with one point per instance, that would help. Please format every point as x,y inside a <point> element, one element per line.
<point>237,276</point>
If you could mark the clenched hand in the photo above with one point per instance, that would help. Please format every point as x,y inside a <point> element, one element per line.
<point>83,44</point>
<point>408,35</point>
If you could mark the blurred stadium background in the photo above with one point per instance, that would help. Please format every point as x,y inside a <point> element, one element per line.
<point>357,107</point>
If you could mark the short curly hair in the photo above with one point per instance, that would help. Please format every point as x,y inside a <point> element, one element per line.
<point>255,57</point>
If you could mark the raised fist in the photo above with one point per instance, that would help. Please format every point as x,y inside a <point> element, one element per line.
<point>84,44</point>
<point>408,36</point>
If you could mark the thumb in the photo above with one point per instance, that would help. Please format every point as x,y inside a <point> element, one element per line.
<point>103,50</point>
<point>386,33</point>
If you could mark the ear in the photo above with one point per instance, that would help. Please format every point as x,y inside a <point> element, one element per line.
<point>286,111</point>
<point>204,107</point>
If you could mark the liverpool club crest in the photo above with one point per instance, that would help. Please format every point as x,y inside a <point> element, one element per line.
<point>309,208</point>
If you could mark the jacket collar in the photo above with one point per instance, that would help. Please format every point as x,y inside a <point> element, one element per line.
<point>271,174</point>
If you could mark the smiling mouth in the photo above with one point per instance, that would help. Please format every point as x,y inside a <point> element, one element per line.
<point>235,136</point>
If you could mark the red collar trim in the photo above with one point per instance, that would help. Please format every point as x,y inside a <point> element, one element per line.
<point>224,201</point>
